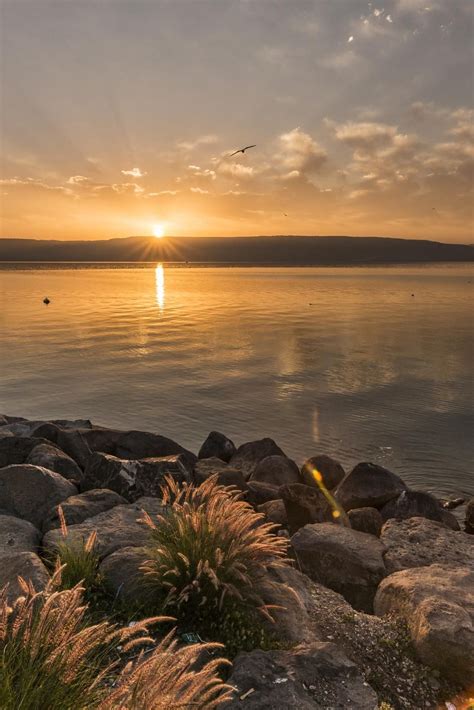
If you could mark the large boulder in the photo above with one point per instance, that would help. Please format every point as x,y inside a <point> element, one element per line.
<point>30,492</point>
<point>135,478</point>
<point>368,485</point>
<point>78,508</point>
<point>52,458</point>
<point>26,565</point>
<point>330,470</point>
<point>437,603</point>
<point>412,504</point>
<point>16,449</point>
<point>345,560</point>
<point>274,512</point>
<point>118,527</point>
<point>250,454</point>
<point>276,470</point>
<point>17,536</point>
<point>418,542</point>
<point>218,446</point>
<point>317,676</point>
<point>469,522</point>
<point>68,439</point>
<point>304,505</point>
<point>366,520</point>
<point>225,475</point>
<point>122,574</point>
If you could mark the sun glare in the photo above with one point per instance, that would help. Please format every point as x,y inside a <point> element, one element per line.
<point>158,230</point>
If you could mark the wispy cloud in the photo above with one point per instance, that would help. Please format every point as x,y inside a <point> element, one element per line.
<point>134,172</point>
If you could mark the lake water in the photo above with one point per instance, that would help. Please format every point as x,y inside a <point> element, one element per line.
<point>343,361</point>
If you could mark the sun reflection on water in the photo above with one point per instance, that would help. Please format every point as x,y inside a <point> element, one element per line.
<point>160,286</point>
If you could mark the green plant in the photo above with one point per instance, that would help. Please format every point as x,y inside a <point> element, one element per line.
<point>208,563</point>
<point>50,658</point>
<point>78,558</point>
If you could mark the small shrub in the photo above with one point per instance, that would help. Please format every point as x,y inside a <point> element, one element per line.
<point>208,562</point>
<point>78,558</point>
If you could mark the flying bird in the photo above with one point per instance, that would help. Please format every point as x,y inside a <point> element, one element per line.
<point>242,150</point>
<point>46,301</point>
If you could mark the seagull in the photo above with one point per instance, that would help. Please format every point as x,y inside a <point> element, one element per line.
<point>46,301</point>
<point>242,150</point>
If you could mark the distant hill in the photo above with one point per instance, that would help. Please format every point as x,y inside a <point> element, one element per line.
<point>283,250</point>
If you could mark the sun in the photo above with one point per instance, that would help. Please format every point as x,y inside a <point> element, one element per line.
<point>158,230</point>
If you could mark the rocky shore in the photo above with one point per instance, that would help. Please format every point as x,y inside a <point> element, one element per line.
<point>376,611</point>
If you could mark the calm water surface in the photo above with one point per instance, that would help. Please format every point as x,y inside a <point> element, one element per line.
<point>343,361</point>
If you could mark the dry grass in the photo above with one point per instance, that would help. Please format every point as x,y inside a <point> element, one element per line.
<point>209,557</point>
<point>78,558</point>
<point>50,658</point>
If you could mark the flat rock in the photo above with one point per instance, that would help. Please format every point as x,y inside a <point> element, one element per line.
<point>368,486</point>
<point>26,565</point>
<point>418,542</point>
<point>30,492</point>
<point>330,469</point>
<point>304,505</point>
<point>412,504</point>
<point>345,560</point>
<point>135,478</point>
<point>17,536</point>
<point>121,574</point>
<point>437,602</point>
<point>276,470</point>
<point>78,508</point>
<point>248,455</point>
<point>218,446</point>
<point>316,676</point>
<point>366,520</point>
<point>116,528</point>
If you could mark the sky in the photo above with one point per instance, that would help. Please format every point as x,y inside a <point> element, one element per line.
<point>118,117</point>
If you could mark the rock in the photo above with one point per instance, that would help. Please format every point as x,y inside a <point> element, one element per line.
<point>17,536</point>
<point>30,492</point>
<point>274,512</point>
<point>451,503</point>
<point>418,542</point>
<point>276,470</point>
<point>470,517</point>
<point>115,528</point>
<point>330,469</point>
<point>304,504</point>
<point>316,676</point>
<point>437,603</point>
<point>288,591</point>
<point>16,449</point>
<point>133,479</point>
<point>226,475</point>
<point>368,485</point>
<point>121,574</point>
<point>78,508</point>
<point>54,459</point>
<point>450,520</point>
<point>412,504</point>
<point>26,565</point>
<point>345,560</point>
<point>218,446</point>
<point>259,493</point>
<point>19,426</point>
<point>250,454</point>
<point>366,520</point>
<point>68,440</point>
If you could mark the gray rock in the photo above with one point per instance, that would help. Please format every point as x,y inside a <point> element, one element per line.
<point>276,470</point>
<point>449,520</point>
<point>330,469</point>
<point>16,449</point>
<point>470,517</point>
<point>52,458</point>
<point>250,454</point>
<point>418,542</point>
<point>345,560</point>
<point>69,440</point>
<point>122,575</point>
<point>30,492</point>
<point>316,676</point>
<point>366,520</point>
<point>26,565</point>
<point>368,486</point>
<point>412,504</point>
<point>78,508</point>
<point>304,505</point>
<point>218,446</point>
<point>133,479</point>
<point>116,528</point>
<point>274,512</point>
<point>259,493</point>
<point>437,602</point>
<point>17,536</point>
<point>226,475</point>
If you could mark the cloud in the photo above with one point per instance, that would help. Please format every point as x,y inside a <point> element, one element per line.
<point>188,146</point>
<point>236,170</point>
<point>196,171</point>
<point>365,135</point>
<point>199,191</point>
<point>300,152</point>
<point>134,172</point>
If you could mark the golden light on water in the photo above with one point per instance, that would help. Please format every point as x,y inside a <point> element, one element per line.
<point>160,286</point>
<point>158,230</point>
